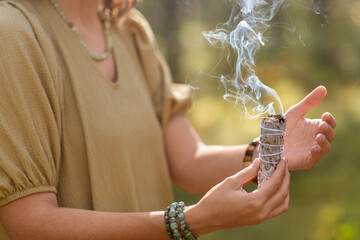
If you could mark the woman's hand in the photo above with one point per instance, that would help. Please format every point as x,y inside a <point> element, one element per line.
<point>228,205</point>
<point>307,139</point>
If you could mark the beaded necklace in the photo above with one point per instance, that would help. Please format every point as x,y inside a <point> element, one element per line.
<point>109,44</point>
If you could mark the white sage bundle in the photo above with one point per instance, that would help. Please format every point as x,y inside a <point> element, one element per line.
<point>272,139</point>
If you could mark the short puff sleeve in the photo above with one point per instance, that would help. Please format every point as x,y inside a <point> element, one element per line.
<point>169,98</point>
<point>29,108</point>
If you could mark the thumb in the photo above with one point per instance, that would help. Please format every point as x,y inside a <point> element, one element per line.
<point>248,173</point>
<point>311,100</point>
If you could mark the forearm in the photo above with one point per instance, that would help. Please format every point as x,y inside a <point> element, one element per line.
<point>194,166</point>
<point>63,223</point>
<point>37,217</point>
<point>212,164</point>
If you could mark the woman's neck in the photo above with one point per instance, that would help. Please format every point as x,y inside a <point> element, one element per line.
<point>81,12</point>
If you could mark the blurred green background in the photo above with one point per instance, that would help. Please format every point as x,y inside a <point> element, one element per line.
<point>325,201</point>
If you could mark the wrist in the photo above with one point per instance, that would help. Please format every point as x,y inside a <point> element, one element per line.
<point>198,220</point>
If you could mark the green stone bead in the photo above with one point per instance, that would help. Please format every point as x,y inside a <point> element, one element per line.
<point>177,235</point>
<point>180,216</point>
<point>172,220</point>
<point>172,213</point>
<point>182,204</point>
<point>174,205</point>
<point>174,226</point>
<point>184,227</point>
<point>188,234</point>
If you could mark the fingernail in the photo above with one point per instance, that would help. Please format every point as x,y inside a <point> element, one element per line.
<point>256,163</point>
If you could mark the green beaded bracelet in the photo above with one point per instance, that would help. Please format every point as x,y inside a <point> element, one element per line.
<point>173,212</point>
<point>167,222</point>
<point>173,224</point>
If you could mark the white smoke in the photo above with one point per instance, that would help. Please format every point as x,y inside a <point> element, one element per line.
<point>244,34</point>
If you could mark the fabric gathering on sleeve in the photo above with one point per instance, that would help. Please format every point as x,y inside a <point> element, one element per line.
<point>29,110</point>
<point>169,98</point>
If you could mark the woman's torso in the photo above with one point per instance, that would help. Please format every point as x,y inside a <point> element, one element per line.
<point>112,153</point>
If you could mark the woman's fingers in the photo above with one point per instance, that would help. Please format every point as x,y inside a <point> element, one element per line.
<point>311,100</point>
<point>272,193</point>
<point>274,183</point>
<point>315,154</point>
<point>327,117</point>
<point>280,209</point>
<point>323,143</point>
<point>247,174</point>
<point>327,131</point>
<point>280,196</point>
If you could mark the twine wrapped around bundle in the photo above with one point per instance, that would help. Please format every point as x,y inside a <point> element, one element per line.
<point>272,139</point>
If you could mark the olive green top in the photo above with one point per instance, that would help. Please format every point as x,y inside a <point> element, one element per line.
<point>66,129</point>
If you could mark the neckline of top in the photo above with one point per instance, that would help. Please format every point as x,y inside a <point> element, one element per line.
<point>111,82</point>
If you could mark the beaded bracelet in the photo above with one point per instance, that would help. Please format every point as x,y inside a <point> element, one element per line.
<point>250,152</point>
<point>175,212</point>
<point>167,222</point>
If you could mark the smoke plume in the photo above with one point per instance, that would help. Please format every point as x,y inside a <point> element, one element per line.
<point>244,34</point>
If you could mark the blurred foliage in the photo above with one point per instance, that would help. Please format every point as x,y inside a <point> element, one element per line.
<point>323,50</point>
